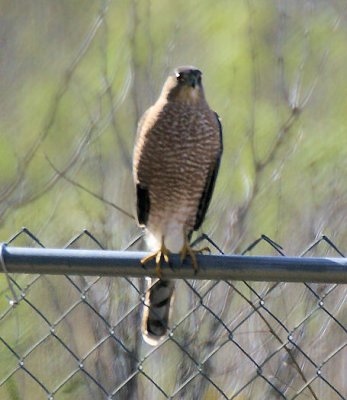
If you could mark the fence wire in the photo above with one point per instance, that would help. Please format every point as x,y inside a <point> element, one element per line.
<point>79,337</point>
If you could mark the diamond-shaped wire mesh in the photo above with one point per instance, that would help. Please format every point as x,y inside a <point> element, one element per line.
<point>79,337</point>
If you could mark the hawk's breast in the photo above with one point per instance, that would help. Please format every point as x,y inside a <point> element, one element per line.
<point>182,145</point>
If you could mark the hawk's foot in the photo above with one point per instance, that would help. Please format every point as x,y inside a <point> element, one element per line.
<point>188,251</point>
<point>162,253</point>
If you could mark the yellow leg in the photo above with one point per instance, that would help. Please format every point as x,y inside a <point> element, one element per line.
<point>187,250</point>
<point>163,252</point>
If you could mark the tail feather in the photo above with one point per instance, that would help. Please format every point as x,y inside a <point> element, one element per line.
<point>157,310</point>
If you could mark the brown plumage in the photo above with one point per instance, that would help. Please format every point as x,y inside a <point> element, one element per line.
<point>176,161</point>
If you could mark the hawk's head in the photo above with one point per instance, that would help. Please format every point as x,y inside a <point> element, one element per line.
<point>185,86</point>
<point>188,76</point>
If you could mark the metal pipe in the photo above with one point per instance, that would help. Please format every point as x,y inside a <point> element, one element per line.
<point>214,267</point>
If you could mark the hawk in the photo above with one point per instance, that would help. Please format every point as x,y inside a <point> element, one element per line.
<point>176,160</point>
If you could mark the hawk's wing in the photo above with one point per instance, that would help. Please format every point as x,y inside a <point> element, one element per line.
<point>210,183</point>
<point>142,193</point>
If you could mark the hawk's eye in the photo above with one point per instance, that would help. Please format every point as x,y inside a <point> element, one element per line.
<point>199,79</point>
<point>180,78</point>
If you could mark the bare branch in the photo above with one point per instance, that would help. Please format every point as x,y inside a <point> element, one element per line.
<point>101,198</point>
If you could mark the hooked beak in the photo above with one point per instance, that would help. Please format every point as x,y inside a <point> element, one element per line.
<point>193,81</point>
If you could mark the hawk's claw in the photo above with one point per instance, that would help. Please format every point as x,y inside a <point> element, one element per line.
<point>163,252</point>
<point>187,250</point>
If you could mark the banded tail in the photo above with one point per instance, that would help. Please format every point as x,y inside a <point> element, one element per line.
<point>157,310</point>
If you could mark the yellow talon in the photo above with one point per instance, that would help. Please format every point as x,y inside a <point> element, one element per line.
<point>187,250</point>
<point>163,252</point>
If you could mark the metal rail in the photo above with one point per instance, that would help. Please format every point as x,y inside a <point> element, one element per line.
<point>214,267</point>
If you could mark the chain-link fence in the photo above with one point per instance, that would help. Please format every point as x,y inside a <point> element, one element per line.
<point>73,337</point>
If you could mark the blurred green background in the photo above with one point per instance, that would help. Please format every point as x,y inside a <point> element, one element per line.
<point>75,77</point>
